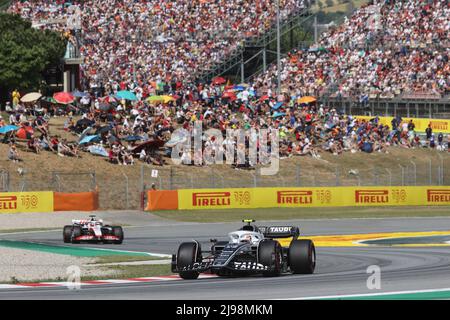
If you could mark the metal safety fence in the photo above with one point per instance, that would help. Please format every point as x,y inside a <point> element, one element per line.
<point>123,187</point>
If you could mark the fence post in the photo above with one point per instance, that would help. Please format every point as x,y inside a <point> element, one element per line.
<point>375,176</point>
<point>441,177</point>
<point>142,179</point>
<point>415,172</point>
<point>171,178</point>
<point>297,172</point>
<point>390,176</point>
<point>337,176</point>
<point>403,174</point>
<point>430,171</point>
<point>94,181</point>
<point>126,189</point>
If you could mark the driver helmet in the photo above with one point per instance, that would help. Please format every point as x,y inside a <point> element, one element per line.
<point>246,238</point>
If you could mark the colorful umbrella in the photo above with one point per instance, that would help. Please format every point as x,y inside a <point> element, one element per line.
<point>239,88</point>
<point>126,95</point>
<point>79,94</point>
<point>31,97</point>
<point>87,139</point>
<point>218,80</point>
<point>278,114</point>
<point>98,150</point>
<point>306,99</point>
<point>8,128</point>
<point>63,97</point>
<point>229,95</point>
<point>155,99</point>
<point>264,98</point>
<point>167,99</point>
<point>277,105</point>
<point>25,133</point>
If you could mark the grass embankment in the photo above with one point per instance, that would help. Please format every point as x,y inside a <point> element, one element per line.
<point>236,215</point>
<point>35,172</point>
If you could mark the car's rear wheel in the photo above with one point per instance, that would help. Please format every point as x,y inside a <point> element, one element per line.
<point>67,234</point>
<point>302,256</point>
<point>188,254</point>
<point>76,232</point>
<point>270,255</point>
<point>118,232</point>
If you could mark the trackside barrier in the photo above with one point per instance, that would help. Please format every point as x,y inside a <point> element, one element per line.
<point>15,202</point>
<point>48,201</point>
<point>438,125</point>
<point>245,198</point>
<point>83,201</point>
<point>162,200</point>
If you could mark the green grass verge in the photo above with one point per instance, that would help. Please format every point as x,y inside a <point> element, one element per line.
<point>234,215</point>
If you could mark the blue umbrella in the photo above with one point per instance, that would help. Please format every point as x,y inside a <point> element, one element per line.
<point>98,150</point>
<point>278,114</point>
<point>8,128</point>
<point>238,88</point>
<point>79,94</point>
<point>277,105</point>
<point>126,95</point>
<point>88,139</point>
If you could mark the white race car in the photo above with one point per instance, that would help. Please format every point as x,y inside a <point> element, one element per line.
<point>92,230</point>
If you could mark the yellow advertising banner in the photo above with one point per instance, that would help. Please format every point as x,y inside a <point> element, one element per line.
<point>312,197</point>
<point>438,125</point>
<point>15,202</point>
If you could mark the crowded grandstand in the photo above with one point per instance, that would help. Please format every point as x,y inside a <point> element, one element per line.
<point>141,61</point>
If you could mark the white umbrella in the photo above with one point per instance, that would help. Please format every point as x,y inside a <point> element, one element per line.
<point>31,97</point>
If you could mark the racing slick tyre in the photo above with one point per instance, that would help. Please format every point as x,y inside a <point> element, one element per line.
<point>188,254</point>
<point>76,232</point>
<point>302,257</point>
<point>270,255</point>
<point>118,232</point>
<point>67,234</point>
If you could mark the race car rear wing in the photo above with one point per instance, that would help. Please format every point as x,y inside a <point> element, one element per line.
<point>274,232</point>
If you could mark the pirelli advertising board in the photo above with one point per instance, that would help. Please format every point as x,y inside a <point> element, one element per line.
<point>438,125</point>
<point>15,202</point>
<point>312,197</point>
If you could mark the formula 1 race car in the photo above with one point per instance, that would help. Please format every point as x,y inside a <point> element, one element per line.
<point>251,250</point>
<point>92,230</point>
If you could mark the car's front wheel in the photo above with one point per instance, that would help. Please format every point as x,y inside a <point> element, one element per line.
<point>189,253</point>
<point>76,232</point>
<point>67,234</point>
<point>270,256</point>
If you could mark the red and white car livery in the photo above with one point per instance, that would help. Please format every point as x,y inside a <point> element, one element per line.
<point>92,230</point>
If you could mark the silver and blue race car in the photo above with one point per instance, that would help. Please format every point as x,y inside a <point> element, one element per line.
<point>250,250</point>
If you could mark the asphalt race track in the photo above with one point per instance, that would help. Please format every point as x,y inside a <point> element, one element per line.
<point>339,270</point>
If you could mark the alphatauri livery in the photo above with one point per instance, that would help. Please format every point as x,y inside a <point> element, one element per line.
<point>92,230</point>
<point>250,250</point>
